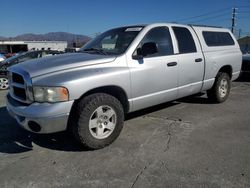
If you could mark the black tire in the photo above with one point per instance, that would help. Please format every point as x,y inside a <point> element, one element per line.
<point>81,116</point>
<point>214,94</point>
<point>3,84</point>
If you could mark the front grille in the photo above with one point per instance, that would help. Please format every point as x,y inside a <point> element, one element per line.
<point>18,87</point>
<point>20,93</point>
<point>17,78</point>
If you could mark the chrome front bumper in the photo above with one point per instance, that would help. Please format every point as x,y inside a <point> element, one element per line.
<point>51,117</point>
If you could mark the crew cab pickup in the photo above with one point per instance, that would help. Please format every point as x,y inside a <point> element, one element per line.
<point>120,71</point>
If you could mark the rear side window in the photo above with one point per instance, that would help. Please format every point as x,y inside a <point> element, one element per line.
<point>185,40</point>
<point>218,38</point>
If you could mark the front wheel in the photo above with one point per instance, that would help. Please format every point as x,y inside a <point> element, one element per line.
<point>4,82</point>
<point>97,120</point>
<point>221,88</point>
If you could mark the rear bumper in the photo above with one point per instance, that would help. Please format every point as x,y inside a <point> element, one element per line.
<point>50,117</point>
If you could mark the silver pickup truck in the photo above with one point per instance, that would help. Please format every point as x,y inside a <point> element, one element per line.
<point>122,70</point>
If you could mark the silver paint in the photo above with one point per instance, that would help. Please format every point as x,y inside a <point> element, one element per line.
<point>145,82</point>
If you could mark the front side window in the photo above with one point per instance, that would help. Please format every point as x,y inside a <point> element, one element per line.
<point>27,57</point>
<point>45,54</point>
<point>32,55</point>
<point>185,40</point>
<point>112,42</point>
<point>162,38</point>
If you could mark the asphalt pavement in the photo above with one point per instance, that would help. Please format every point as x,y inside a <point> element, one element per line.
<point>186,143</point>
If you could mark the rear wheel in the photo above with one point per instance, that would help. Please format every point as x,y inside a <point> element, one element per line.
<point>4,82</point>
<point>221,88</point>
<point>97,120</point>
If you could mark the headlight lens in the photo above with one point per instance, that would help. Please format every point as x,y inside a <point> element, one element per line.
<point>50,94</point>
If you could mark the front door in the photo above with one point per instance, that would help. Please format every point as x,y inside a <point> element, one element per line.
<point>154,78</point>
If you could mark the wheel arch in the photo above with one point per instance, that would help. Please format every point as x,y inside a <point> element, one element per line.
<point>226,69</point>
<point>112,90</point>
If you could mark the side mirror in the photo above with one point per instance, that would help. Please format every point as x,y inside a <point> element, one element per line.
<point>148,48</point>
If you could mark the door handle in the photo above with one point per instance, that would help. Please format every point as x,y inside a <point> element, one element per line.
<point>171,64</point>
<point>198,60</point>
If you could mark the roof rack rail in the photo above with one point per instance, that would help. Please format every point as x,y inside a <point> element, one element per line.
<point>204,26</point>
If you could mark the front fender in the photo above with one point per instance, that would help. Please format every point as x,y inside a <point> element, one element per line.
<point>81,80</point>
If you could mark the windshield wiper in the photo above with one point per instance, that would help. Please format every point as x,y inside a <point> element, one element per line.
<point>100,51</point>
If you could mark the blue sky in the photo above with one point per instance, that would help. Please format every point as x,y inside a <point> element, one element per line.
<point>90,17</point>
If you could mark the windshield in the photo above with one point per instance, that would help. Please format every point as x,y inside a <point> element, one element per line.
<point>10,59</point>
<point>112,42</point>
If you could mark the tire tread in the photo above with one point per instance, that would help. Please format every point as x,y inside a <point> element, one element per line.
<point>213,94</point>
<point>80,117</point>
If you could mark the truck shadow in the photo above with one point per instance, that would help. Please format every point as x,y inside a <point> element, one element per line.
<point>244,77</point>
<point>150,110</point>
<point>14,139</point>
<point>199,98</point>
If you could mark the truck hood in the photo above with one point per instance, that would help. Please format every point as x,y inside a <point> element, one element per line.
<point>56,63</point>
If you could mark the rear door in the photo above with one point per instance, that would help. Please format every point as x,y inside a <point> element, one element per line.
<point>190,61</point>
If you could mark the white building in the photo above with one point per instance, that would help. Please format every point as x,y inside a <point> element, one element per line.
<point>17,46</point>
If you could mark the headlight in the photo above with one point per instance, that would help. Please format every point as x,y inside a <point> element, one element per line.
<point>50,94</point>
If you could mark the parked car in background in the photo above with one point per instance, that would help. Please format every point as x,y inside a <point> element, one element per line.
<point>245,64</point>
<point>8,55</point>
<point>2,57</point>
<point>19,58</point>
<point>71,50</point>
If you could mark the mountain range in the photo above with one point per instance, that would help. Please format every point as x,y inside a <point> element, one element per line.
<point>74,40</point>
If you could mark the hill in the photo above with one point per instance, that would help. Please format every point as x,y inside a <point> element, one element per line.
<point>2,38</point>
<point>73,40</point>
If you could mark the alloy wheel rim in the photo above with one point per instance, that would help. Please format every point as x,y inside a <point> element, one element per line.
<point>102,122</point>
<point>223,88</point>
<point>4,83</point>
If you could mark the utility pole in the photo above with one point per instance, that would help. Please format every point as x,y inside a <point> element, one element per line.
<point>239,33</point>
<point>233,19</point>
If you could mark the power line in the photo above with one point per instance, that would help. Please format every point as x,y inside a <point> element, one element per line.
<point>223,19</point>
<point>203,15</point>
<point>244,17</point>
<point>244,12</point>
<point>245,31</point>
<point>210,18</point>
<point>243,6</point>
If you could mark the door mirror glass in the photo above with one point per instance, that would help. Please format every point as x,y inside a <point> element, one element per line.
<point>148,48</point>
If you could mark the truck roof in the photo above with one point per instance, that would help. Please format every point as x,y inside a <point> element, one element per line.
<point>204,26</point>
<point>173,23</point>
